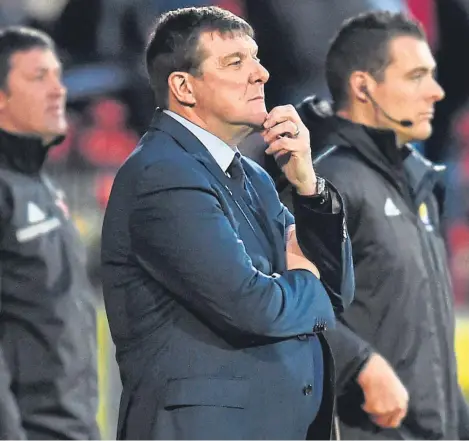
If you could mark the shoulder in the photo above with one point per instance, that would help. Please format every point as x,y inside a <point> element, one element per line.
<point>344,168</point>
<point>160,162</point>
<point>335,159</point>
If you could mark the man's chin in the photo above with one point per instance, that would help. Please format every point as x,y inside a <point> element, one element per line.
<point>424,133</point>
<point>55,135</point>
<point>60,129</point>
<point>257,122</point>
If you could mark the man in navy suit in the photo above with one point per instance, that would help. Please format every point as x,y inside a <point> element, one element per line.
<point>214,304</point>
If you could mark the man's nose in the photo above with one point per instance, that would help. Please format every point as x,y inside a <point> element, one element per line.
<point>438,91</point>
<point>260,74</point>
<point>57,87</point>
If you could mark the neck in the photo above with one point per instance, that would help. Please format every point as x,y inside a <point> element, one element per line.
<point>230,134</point>
<point>21,152</point>
<point>6,126</point>
<point>361,116</point>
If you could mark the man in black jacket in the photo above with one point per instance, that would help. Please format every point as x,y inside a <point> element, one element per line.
<point>48,376</point>
<point>396,367</point>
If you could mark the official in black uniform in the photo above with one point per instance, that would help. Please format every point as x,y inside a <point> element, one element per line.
<point>48,379</point>
<point>394,346</point>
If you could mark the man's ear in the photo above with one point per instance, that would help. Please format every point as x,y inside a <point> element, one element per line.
<point>359,84</point>
<point>180,86</point>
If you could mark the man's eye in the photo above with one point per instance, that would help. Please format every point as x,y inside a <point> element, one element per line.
<point>417,76</point>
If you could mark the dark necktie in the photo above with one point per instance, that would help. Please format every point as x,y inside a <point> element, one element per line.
<point>236,171</point>
<point>237,174</point>
<point>249,195</point>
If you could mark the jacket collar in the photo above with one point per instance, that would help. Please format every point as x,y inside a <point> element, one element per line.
<point>25,154</point>
<point>221,152</point>
<point>188,141</point>
<point>423,175</point>
<point>379,148</point>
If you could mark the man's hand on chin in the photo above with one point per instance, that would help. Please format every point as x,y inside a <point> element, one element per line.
<point>288,141</point>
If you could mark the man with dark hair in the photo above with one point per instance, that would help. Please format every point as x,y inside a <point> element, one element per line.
<point>394,347</point>
<point>215,311</point>
<point>48,381</point>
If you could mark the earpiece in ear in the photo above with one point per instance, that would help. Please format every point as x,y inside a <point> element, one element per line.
<point>364,90</point>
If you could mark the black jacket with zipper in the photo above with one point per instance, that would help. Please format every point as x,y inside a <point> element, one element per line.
<point>48,378</point>
<point>403,307</point>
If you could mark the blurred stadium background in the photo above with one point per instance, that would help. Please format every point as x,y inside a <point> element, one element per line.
<point>101,44</point>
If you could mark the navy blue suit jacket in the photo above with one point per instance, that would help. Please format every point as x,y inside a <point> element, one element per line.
<point>210,342</point>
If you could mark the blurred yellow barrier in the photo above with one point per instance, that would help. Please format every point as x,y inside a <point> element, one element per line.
<point>103,371</point>
<point>462,351</point>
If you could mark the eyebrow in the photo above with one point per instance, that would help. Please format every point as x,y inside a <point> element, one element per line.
<point>239,54</point>
<point>422,69</point>
<point>234,55</point>
<point>40,69</point>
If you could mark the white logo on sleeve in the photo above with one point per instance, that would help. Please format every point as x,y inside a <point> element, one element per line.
<point>390,208</point>
<point>35,214</point>
<point>38,224</point>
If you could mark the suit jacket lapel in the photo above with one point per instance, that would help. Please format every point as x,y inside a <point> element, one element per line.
<point>189,142</point>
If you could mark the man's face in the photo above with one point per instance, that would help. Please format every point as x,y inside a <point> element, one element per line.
<point>230,90</point>
<point>33,101</point>
<point>409,90</point>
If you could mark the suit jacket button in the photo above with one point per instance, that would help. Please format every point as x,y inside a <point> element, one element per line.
<point>302,337</point>
<point>308,389</point>
<point>319,327</point>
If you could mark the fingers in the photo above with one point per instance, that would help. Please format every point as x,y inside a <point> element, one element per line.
<point>390,421</point>
<point>387,414</point>
<point>284,145</point>
<point>285,128</point>
<point>390,406</point>
<point>396,421</point>
<point>291,232</point>
<point>280,114</point>
<point>292,152</point>
<point>285,132</point>
<point>386,398</point>
<point>386,421</point>
<point>280,147</point>
<point>382,420</point>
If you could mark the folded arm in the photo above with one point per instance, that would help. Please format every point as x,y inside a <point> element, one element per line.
<point>185,240</point>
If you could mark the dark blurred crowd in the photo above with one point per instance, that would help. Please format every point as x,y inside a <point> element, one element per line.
<point>101,44</point>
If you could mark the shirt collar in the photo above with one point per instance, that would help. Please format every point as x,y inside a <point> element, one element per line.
<point>221,152</point>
